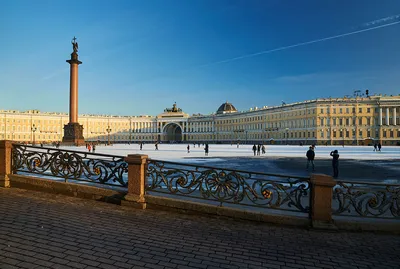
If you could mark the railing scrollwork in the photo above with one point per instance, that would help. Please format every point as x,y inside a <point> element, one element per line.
<point>70,165</point>
<point>229,186</point>
<point>366,199</point>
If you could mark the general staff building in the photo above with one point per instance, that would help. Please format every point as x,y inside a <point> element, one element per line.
<point>331,121</point>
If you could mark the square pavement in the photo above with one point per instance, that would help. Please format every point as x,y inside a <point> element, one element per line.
<point>39,230</point>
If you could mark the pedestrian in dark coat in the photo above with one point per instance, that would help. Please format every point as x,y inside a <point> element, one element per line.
<point>379,146</point>
<point>254,149</point>
<point>310,158</point>
<point>375,147</point>
<point>206,149</point>
<point>335,163</point>
<point>258,149</point>
<point>188,148</point>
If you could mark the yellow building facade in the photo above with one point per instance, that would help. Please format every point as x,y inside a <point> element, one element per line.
<point>332,121</point>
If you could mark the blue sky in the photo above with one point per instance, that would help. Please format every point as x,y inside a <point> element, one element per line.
<point>141,56</point>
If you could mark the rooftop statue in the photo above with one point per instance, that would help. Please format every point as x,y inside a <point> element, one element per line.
<point>173,109</point>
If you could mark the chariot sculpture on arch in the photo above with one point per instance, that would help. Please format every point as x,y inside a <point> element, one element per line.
<point>74,44</point>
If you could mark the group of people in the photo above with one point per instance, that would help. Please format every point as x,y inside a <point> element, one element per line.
<point>335,160</point>
<point>257,149</point>
<point>377,147</point>
<point>206,148</point>
<point>91,147</point>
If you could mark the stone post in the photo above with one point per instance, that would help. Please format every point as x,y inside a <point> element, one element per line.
<point>5,162</point>
<point>136,180</point>
<point>321,201</point>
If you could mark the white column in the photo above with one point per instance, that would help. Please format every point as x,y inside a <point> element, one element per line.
<point>380,116</point>
<point>387,116</point>
<point>394,116</point>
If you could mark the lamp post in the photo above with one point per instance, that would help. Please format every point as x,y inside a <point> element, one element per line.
<point>33,129</point>
<point>342,131</point>
<point>108,130</point>
<point>287,134</point>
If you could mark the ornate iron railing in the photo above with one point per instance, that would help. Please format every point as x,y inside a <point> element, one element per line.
<point>366,199</point>
<point>70,165</point>
<point>230,186</point>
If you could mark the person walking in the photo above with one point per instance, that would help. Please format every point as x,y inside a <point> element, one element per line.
<point>141,145</point>
<point>263,149</point>
<point>254,149</point>
<point>310,158</point>
<point>258,149</point>
<point>206,149</point>
<point>375,147</point>
<point>94,148</point>
<point>379,146</point>
<point>188,148</point>
<point>156,145</point>
<point>335,163</point>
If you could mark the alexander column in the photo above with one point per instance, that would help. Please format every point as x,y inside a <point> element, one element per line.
<point>73,131</point>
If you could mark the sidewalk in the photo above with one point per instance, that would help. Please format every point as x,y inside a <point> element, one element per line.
<point>39,230</point>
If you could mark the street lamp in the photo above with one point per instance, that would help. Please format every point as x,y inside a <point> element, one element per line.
<point>33,129</point>
<point>287,134</point>
<point>342,131</point>
<point>108,130</point>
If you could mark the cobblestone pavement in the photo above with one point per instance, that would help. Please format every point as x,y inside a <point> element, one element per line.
<point>40,230</point>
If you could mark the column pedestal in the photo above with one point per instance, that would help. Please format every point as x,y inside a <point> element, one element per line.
<point>73,135</point>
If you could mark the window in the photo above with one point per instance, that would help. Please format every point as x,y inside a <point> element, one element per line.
<point>347,110</point>
<point>384,133</point>
<point>347,122</point>
<point>360,132</point>
<point>368,133</point>
<point>347,134</point>
<point>340,122</point>
<point>322,122</point>
<point>354,110</point>
<point>334,110</point>
<point>334,121</point>
<point>368,110</point>
<point>360,121</point>
<point>360,110</point>
<point>340,110</point>
<point>334,133</point>
<point>391,133</point>
<point>322,110</point>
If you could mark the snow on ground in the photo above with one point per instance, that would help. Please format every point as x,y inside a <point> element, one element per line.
<point>178,152</point>
<point>357,163</point>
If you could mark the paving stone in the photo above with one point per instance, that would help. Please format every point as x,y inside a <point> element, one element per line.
<point>93,235</point>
